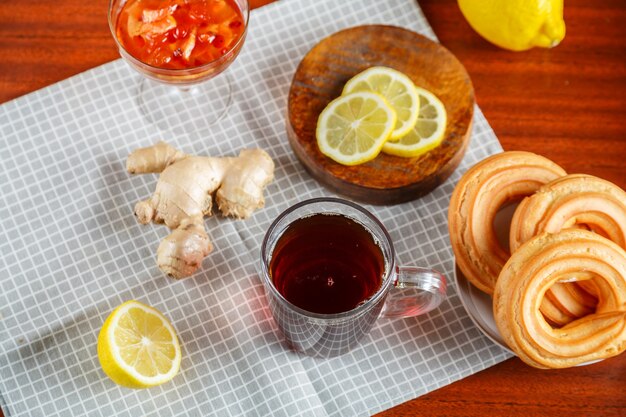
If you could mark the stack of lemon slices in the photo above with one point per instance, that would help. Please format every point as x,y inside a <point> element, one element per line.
<point>380,109</point>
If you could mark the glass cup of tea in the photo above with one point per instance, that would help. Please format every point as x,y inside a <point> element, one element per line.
<point>329,271</point>
<point>179,47</point>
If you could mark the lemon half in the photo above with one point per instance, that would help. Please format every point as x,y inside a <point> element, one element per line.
<point>428,131</point>
<point>138,347</point>
<point>353,128</point>
<point>396,88</point>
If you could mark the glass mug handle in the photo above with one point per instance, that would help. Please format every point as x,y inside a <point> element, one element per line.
<point>415,291</point>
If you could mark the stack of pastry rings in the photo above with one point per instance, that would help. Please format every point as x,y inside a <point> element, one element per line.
<point>559,303</point>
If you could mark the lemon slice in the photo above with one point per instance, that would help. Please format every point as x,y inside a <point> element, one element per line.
<point>353,128</point>
<point>138,347</point>
<point>428,131</point>
<point>396,88</point>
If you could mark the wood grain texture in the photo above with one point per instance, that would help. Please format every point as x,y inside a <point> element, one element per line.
<point>566,103</point>
<point>320,78</point>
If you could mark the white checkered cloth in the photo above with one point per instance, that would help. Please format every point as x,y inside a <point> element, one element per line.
<point>71,250</point>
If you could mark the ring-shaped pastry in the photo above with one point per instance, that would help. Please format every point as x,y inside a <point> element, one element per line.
<point>482,191</point>
<point>532,270</point>
<point>575,200</point>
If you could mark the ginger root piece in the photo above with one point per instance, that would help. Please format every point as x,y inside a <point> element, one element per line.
<point>184,195</point>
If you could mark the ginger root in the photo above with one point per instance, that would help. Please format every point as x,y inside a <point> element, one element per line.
<point>184,195</point>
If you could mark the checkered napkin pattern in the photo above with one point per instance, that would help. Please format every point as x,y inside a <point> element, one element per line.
<point>71,250</point>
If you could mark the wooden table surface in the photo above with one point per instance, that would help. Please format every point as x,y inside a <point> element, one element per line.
<point>567,103</point>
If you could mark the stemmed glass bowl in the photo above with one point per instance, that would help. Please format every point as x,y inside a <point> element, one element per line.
<point>185,99</point>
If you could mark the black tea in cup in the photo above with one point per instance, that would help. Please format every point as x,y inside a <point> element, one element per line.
<point>327,264</point>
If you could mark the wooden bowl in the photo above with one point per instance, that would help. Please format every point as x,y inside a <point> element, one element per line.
<point>320,78</point>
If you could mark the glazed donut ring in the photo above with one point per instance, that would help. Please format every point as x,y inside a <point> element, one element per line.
<point>571,201</point>
<point>481,192</point>
<point>534,268</point>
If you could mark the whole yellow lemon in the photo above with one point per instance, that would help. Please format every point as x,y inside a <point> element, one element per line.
<point>517,25</point>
